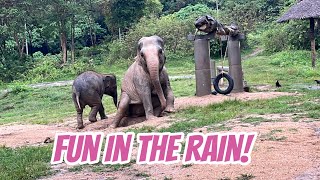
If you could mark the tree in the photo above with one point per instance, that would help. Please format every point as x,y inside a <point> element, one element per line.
<point>152,8</point>
<point>123,14</point>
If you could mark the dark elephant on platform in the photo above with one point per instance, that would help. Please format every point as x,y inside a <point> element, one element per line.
<point>88,89</point>
<point>146,88</point>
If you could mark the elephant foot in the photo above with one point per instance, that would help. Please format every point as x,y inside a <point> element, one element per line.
<point>169,109</point>
<point>80,126</point>
<point>113,126</point>
<point>151,117</point>
<point>93,120</point>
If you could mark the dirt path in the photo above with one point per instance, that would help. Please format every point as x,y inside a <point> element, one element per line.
<point>297,156</point>
<point>253,54</point>
<point>285,149</point>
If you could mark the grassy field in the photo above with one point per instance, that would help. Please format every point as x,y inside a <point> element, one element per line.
<point>52,105</point>
<point>49,105</point>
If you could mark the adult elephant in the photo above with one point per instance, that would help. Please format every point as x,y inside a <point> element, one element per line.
<point>146,83</point>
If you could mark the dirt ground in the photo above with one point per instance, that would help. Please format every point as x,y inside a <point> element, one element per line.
<point>285,149</point>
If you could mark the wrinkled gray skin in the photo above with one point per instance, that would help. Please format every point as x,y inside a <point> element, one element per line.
<point>146,88</point>
<point>88,89</point>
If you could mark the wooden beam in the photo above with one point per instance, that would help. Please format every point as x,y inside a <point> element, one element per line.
<point>313,42</point>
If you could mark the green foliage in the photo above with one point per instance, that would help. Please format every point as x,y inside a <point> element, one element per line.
<point>20,89</point>
<point>117,51</point>
<point>172,28</point>
<point>152,7</point>
<point>24,163</point>
<point>171,6</point>
<point>291,58</point>
<point>12,66</point>
<point>279,37</point>
<point>47,68</point>
<point>192,12</point>
<point>122,14</point>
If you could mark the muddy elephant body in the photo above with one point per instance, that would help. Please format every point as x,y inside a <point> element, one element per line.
<point>137,109</point>
<point>146,88</point>
<point>88,89</point>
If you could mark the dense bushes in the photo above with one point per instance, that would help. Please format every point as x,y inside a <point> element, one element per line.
<point>173,28</point>
<point>12,66</point>
<point>292,35</point>
<point>48,68</point>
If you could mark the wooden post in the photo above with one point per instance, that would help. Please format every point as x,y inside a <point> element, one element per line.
<point>313,43</point>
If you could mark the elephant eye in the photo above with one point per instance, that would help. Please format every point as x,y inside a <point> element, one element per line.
<point>141,54</point>
<point>160,51</point>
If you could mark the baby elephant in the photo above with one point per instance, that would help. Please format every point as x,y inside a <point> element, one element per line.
<point>88,89</point>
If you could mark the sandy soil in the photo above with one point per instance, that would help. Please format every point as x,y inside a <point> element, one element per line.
<point>297,156</point>
<point>284,149</point>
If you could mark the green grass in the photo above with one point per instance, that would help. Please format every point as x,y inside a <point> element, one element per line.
<point>289,67</point>
<point>271,136</point>
<point>24,163</point>
<point>50,105</point>
<point>53,105</point>
<point>42,106</point>
<point>197,117</point>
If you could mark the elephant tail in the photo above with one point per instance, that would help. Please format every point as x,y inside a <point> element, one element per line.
<point>76,96</point>
<point>78,100</point>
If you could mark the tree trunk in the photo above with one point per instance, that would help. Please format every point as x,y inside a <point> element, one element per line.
<point>30,42</point>
<point>19,44</point>
<point>91,35</point>
<point>72,41</point>
<point>26,36</point>
<point>63,42</point>
<point>313,43</point>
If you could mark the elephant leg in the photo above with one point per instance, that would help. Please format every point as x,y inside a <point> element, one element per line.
<point>102,112</point>
<point>122,110</point>
<point>147,105</point>
<point>93,113</point>
<point>79,112</point>
<point>156,106</point>
<point>170,100</point>
<point>79,119</point>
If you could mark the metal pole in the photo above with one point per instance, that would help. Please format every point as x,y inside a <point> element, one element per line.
<point>202,65</point>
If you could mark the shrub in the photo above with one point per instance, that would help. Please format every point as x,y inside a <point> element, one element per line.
<point>48,68</point>
<point>12,66</point>
<point>20,88</point>
<point>45,68</point>
<point>173,28</point>
<point>293,35</point>
<point>78,67</point>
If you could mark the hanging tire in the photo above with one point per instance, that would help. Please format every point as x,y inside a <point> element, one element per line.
<point>216,83</point>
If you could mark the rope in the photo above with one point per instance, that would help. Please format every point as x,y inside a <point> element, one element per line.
<point>225,54</point>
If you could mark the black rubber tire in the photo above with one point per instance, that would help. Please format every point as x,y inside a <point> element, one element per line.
<point>216,83</point>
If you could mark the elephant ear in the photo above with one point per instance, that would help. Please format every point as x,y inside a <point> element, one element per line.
<point>107,81</point>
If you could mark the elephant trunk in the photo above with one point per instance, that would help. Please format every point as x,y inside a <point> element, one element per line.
<point>115,98</point>
<point>153,68</point>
